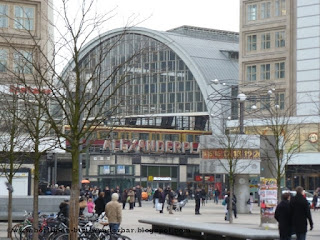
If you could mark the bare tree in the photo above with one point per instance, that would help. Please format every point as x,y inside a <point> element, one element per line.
<point>86,93</point>
<point>231,154</point>
<point>280,135</point>
<point>13,141</point>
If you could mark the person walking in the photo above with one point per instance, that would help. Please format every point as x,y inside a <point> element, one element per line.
<point>251,202</point>
<point>132,199</point>
<point>100,204</point>
<point>315,201</point>
<point>216,195</point>
<point>138,194</point>
<point>114,213</point>
<point>124,198</point>
<point>171,195</point>
<point>156,197</point>
<point>162,198</point>
<point>300,212</point>
<point>283,216</point>
<point>234,204</point>
<point>107,195</point>
<point>197,197</point>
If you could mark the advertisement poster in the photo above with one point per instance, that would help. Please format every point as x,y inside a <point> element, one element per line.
<point>268,199</point>
<point>106,169</point>
<point>121,169</point>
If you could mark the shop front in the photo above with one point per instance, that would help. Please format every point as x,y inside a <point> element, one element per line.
<point>159,176</point>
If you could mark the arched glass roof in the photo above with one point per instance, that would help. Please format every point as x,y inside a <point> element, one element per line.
<point>173,75</point>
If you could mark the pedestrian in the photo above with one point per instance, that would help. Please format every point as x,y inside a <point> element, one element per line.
<point>162,198</point>
<point>315,200</point>
<point>100,204</point>
<point>107,195</point>
<point>203,197</point>
<point>131,194</point>
<point>170,195</point>
<point>233,204</point>
<point>90,205</point>
<point>156,197</point>
<point>124,198</point>
<point>114,213</point>
<point>216,195</point>
<point>197,197</point>
<point>283,216</point>
<point>181,197</point>
<point>300,212</point>
<point>251,201</point>
<point>138,194</point>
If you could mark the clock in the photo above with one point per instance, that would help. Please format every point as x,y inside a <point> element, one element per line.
<point>242,181</point>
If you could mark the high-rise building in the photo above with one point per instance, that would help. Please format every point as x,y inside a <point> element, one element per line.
<point>280,50</point>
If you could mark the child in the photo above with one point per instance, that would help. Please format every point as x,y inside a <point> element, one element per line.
<point>90,205</point>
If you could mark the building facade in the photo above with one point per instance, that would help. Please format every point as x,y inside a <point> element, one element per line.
<point>164,106</point>
<point>279,49</point>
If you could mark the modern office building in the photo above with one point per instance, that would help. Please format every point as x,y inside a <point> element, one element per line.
<point>164,106</point>
<point>280,48</point>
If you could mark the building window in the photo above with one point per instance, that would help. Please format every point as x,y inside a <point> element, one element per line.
<point>265,72</point>
<point>265,102</point>
<point>23,62</point>
<point>280,39</point>
<point>24,17</point>
<point>279,70</point>
<point>280,100</point>
<point>280,8</point>
<point>3,60</point>
<point>265,41</point>
<point>3,16</point>
<point>251,43</point>
<point>251,73</point>
<point>252,12</point>
<point>251,101</point>
<point>265,10</point>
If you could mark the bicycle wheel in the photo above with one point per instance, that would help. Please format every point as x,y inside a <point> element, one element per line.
<point>61,236</point>
<point>26,233</point>
<point>16,231</point>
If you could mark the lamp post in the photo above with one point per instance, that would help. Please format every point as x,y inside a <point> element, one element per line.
<point>242,98</point>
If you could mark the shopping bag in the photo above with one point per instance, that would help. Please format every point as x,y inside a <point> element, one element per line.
<point>224,202</point>
<point>159,206</point>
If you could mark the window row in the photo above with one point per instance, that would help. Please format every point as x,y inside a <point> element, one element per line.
<point>266,71</point>
<point>22,61</point>
<point>264,102</point>
<point>265,41</point>
<point>116,169</point>
<point>266,10</point>
<point>18,17</point>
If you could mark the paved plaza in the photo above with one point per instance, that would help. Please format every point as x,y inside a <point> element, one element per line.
<point>211,213</point>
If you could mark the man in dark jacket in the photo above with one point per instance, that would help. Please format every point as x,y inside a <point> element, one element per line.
<point>138,194</point>
<point>197,197</point>
<point>300,212</point>
<point>283,217</point>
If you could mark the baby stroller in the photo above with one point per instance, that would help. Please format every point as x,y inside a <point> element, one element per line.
<point>176,206</point>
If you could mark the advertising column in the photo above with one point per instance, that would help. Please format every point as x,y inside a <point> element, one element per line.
<point>268,202</point>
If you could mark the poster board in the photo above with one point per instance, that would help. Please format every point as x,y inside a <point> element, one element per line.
<point>268,199</point>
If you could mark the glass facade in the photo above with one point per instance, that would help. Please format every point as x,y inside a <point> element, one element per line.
<point>149,77</point>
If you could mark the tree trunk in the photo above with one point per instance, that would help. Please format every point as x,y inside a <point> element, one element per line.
<point>74,198</point>
<point>35,223</point>
<point>9,212</point>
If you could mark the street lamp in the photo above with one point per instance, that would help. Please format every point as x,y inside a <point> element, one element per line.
<point>241,98</point>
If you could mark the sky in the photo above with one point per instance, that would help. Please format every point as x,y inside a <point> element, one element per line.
<point>167,14</point>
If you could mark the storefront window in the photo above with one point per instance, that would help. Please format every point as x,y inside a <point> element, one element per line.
<point>174,172</point>
<point>153,171</point>
<point>144,171</point>
<point>164,171</point>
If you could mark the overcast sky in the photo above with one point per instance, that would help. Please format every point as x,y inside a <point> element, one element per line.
<point>168,14</point>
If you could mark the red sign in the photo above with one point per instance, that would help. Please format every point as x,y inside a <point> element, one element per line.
<point>199,178</point>
<point>17,90</point>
